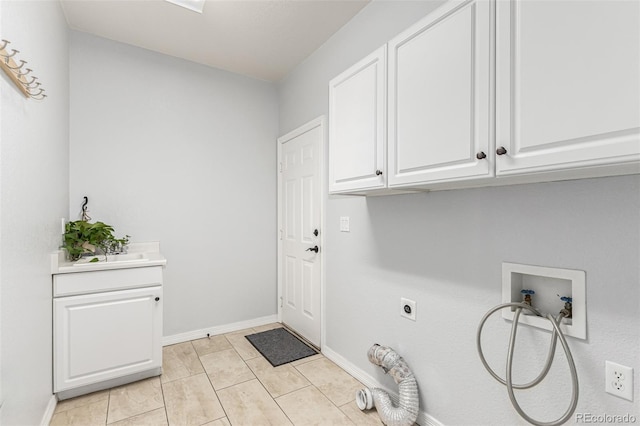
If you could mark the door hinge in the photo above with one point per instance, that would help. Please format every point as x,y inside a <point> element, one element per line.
<point>281,301</point>
<point>281,167</point>
<point>281,233</point>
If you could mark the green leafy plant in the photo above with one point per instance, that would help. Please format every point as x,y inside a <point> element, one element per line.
<point>82,237</point>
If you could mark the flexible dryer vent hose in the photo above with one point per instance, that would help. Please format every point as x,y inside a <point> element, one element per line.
<point>406,413</point>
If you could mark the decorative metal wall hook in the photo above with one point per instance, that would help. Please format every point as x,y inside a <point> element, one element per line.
<point>27,71</point>
<point>85,216</point>
<point>30,89</point>
<point>33,79</point>
<point>41,91</point>
<point>18,67</point>
<point>6,57</point>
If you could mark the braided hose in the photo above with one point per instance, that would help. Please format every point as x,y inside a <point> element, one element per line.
<point>508,380</point>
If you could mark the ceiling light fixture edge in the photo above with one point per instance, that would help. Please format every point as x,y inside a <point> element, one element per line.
<point>193,5</point>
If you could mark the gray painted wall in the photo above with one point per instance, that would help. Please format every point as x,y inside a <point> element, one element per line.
<point>177,152</point>
<point>445,249</point>
<point>35,195</point>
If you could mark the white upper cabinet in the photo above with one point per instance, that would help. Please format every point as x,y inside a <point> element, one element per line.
<point>568,85</point>
<point>440,100</point>
<point>483,93</point>
<point>357,126</point>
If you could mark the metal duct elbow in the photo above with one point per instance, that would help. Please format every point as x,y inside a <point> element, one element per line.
<point>406,413</point>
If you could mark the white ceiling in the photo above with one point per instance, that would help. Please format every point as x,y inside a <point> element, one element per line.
<point>264,39</point>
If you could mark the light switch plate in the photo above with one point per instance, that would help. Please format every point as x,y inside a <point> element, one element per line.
<point>344,224</point>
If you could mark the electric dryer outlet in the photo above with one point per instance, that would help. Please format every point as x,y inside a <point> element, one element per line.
<point>408,308</point>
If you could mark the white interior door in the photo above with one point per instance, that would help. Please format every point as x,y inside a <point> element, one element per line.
<point>300,208</point>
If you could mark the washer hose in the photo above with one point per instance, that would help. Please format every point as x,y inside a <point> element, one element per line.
<point>508,381</point>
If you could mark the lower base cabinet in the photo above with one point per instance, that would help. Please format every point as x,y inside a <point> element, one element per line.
<point>106,335</point>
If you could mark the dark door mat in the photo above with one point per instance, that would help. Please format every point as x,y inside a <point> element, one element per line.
<point>279,346</point>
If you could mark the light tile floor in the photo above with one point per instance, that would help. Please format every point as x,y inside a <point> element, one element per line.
<point>222,381</point>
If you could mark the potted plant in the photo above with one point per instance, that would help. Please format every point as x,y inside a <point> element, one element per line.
<point>82,237</point>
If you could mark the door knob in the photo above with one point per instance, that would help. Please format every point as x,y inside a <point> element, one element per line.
<point>314,248</point>
<point>481,155</point>
<point>157,299</point>
<point>501,151</point>
<point>378,172</point>
<point>315,232</point>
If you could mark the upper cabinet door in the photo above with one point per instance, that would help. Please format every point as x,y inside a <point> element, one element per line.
<point>357,126</point>
<point>568,85</point>
<point>440,101</point>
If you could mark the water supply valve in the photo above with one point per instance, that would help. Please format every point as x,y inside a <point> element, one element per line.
<point>526,299</point>
<point>567,311</point>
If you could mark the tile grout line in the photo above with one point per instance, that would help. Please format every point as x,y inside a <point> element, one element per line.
<point>269,393</point>
<point>273,399</point>
<point>106,415</point>
<point>293,391</point>
<point>164,401</point>
<point>265,387</point>
<point>239,383</point>
<point>320,390</point>
<point>138,414</point>
<point>57,411</point>
<point>311,384</point>
<point>226,416</point>
<point>260,381</point>
<point>282,409</point>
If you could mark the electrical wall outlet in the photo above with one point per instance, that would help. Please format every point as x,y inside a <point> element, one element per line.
<point>408,308</point>
<point>618,380</point>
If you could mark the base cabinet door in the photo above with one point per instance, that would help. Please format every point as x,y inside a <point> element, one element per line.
<point>568,85</point>
<point>102,336</point>
<point>440,101</point>
<point>357,126</point>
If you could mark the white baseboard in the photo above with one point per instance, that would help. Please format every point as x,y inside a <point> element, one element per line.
<point>424,419</point>
<point>48,413</point>
<point>219,329</point>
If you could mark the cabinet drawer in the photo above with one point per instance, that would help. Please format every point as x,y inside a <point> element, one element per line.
<point>96,281</point>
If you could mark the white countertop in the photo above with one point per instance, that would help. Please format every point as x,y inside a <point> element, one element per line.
<point>149,256</point>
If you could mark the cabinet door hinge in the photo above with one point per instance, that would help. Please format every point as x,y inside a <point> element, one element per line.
<point>281,167</point>
<point>281,234</point>
<point>281,301</point>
